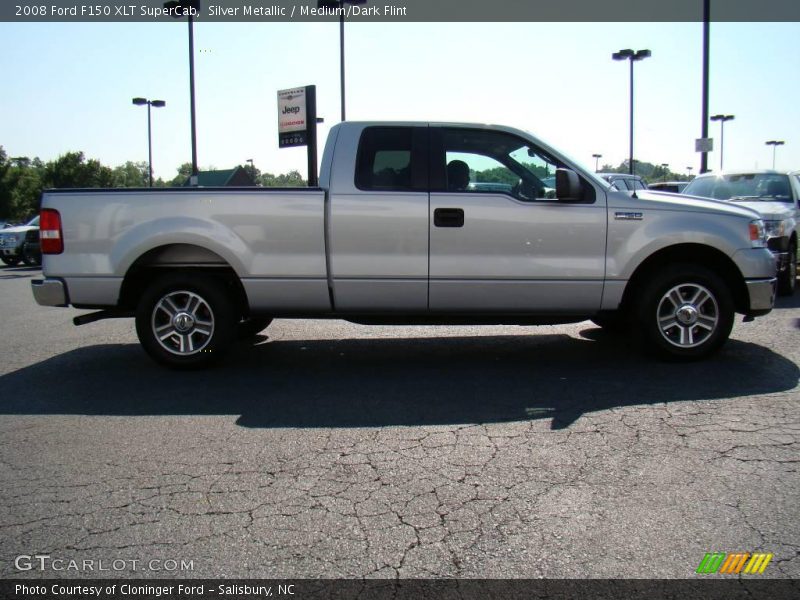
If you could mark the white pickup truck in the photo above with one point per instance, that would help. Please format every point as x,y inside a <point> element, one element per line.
<point>423,223</point>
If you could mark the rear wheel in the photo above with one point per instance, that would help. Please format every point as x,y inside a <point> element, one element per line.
<point>787,282</point>
<point>685,312</point>
<point>185,321</point>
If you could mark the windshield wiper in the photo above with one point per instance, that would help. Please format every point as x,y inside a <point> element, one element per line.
<point>741,198</point>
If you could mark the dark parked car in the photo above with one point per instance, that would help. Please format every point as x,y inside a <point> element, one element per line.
<point>674,187</point>
<point>31,250</point>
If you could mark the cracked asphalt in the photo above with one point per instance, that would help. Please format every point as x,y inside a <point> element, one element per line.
<point>335,450</point>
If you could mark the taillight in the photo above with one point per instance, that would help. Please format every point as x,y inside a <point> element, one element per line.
<point>50,235</point>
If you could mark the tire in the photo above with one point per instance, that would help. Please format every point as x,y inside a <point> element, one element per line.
<point>787,281</point>
<point>11,261</point>
<point>185,321</point>
<point>29,257</point>
<point>249,328</point>
<point>685,312</point>
<point>613,322</point>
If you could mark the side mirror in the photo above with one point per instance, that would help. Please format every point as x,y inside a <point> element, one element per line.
<point>568,186</point>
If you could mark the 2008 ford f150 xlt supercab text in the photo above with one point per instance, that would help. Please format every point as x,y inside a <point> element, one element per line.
<point>423,223</point>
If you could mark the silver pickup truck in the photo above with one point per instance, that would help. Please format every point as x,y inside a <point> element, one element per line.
<point>413,223</point>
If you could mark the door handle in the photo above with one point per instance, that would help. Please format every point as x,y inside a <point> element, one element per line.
<point>448,217</point>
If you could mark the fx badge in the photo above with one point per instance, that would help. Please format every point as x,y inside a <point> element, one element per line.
<point>628,216</point>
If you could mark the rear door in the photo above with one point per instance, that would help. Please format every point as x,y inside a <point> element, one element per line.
<point>379,220</point>
<point>500,241</point>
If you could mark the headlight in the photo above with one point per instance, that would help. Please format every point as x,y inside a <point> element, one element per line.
<point>775,228</point>
<point>758,237</point>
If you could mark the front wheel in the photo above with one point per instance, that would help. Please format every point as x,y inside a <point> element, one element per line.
<point>11,261</point>
<point>787,281</point>
<point>185,321</point>
<point>685,312</point>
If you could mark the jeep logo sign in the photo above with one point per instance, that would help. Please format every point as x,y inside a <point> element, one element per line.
<point>292,121</point>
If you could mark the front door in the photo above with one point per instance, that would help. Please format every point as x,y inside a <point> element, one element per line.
<point>500,242</point>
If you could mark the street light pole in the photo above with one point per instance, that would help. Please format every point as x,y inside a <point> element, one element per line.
<point>631,56</point>
<point>191,97</point>
<point>597,158</point>
<point>149,103</point>
<point>338,5</point>
<point>178,9</point>
<point>774,144</point>
<point>706,50</point>
<point>722,119</point>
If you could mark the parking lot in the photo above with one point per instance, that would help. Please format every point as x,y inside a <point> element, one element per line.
<point>336,450</point>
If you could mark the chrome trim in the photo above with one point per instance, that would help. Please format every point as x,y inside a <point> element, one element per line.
<point>49,292</point>
<point>761,293</point>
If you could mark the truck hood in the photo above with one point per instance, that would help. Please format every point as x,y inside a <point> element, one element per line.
<point>667,201</point>
<point>769,211</point>
<point>17,229</point>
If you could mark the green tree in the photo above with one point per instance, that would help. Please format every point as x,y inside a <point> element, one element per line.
<point>132,174</point>
<point>72,170</point>
<point>253,171</point>
<point>290,179</point>
<point>5,190</point>
<point>20,187</point>
<point>183,174</point>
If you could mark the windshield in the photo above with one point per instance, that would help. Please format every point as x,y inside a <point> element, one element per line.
<point>34,222</point>
<point>768,187</point>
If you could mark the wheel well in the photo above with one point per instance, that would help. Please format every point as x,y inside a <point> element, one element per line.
<point>182,258</point>
<point>696,254</point>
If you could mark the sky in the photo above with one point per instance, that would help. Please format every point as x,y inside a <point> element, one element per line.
<point>68,87</point>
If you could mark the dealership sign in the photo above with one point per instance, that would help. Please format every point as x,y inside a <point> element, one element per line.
<point>292,118</point>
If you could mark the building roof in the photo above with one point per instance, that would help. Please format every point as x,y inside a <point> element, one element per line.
<point>237,176</point>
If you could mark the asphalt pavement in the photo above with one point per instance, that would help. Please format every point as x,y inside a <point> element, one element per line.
<point>327,449</point>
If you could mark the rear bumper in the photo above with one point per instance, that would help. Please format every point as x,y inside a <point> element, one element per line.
<point>49,292</point>
<point>761,295</point>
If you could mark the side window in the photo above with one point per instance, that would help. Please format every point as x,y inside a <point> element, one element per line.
<point>385,159</point>
<point>484,161</point>
<point>638,185</point>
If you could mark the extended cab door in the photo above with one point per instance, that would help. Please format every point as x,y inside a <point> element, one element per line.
<point>500,241</point>
<point>378,222</point>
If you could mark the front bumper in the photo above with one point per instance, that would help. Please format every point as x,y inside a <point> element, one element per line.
<point>761,295</point>
<point>11,250</point>
<point>49,292</point>
<point>781,261</point>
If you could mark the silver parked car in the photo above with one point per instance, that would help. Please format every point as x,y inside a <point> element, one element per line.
<point>12,243</point>
<point>774,195</point>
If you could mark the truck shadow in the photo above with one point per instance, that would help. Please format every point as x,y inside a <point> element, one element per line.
<point>397,381</point>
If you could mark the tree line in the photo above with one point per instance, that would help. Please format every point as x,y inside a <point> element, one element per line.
<point>22,179</point>
<point>648,171</point>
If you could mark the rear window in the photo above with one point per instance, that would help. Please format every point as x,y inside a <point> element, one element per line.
<point>385,159</point>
